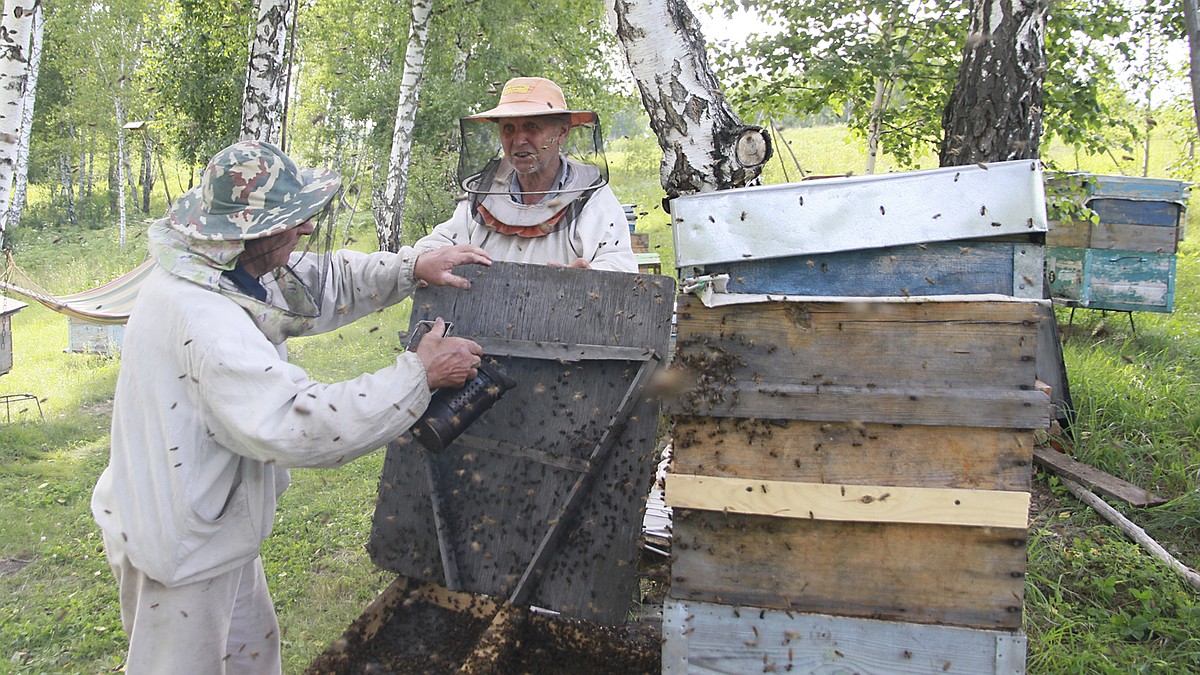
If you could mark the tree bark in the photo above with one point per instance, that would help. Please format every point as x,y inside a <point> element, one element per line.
<point>263,100</point>
<point>16,30</point>
<point>1191,13</point>
<point>147,172</point>
<point>389,222</point>
<point>121,164</point>
<point>17,203</point>
<point>68,191</point>
<point>995,109</point>
<point>705,145</point>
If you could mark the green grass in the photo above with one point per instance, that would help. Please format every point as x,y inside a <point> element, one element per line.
<point>1094,603</point>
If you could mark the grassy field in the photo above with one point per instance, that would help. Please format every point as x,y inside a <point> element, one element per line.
<point>1095,603</point>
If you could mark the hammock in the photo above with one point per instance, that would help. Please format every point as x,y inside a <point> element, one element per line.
<point>106,304</point>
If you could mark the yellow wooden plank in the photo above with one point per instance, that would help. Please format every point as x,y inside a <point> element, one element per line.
<point>859,503</point>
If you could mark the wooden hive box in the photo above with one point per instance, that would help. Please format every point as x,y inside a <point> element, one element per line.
<point>868,461</point>
<point>89,337</point>
<point>8,307</point>
<point>1113,239</point>
<point>853,447</point>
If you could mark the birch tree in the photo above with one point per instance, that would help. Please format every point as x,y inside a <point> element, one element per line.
<point>17,203</point>
<point>995,108</point>
<point>17,29</point>
<point>389,214</point>
<point>264,101</point>
<point>705,145</point>
<point>884,67</point>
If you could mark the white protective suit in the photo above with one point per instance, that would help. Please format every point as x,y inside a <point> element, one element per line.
<point>209,415</point>
<point>598,232</point>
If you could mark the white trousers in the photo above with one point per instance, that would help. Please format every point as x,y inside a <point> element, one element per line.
<point>222,625</point>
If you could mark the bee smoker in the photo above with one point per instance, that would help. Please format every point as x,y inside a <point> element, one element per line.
<point>451,411</point>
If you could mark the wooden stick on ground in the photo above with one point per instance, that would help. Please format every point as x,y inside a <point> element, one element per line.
<point>1132,531</point>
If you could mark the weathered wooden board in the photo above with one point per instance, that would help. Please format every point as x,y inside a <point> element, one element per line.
<point>1129,280</point>
<point>859,212</point>
<point>968,363</point>
<point>1095,479</point>
<point>1069,233</point>
<point>704,638</point>
<point>1051,368</point>
<point>503,481</point>
<point>967,576</point>
<point>1132,237</point>
<point>1136,187</point>
<point>854,453</point>
<point>1064,272</point>
<point>849,502</point>
<point>1137,211</point>
<point>1112,279</point>
<point>936,268</point>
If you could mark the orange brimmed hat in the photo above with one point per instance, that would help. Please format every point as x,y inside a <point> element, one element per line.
<point>529,96</point>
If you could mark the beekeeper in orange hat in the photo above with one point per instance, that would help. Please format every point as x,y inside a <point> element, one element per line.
<point>537,185</point>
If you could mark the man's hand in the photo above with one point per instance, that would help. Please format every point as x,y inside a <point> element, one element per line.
<point>436,267</point>
<point>449,361</point>
<point>578,263</point>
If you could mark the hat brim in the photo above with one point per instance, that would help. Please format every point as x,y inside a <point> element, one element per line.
<point>531,109</point>
<point>188,216</point>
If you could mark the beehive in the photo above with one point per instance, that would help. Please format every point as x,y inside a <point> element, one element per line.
<point>850,482</point>
<point>89,337</point>
<point>1116,249</point>
<point>8,307</point>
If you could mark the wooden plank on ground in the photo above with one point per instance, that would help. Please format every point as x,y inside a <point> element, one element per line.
<point>703,638</point>
<point>966,576</point>
<point>854,452</point>
<point>1094,479</point>
<point>854,503</point>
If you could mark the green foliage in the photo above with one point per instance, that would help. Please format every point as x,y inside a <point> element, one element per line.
<point>195,72</point>
<point>831,55</point>
<point>1084,107</point>
<point>851,56</point>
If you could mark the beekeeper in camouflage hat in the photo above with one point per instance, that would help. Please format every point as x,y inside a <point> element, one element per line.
<point>209,415</point>
<point>252,190</point>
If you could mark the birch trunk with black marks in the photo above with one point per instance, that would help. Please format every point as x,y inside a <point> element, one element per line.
<point>264,100</point>
<point>17,29</point>
<point>121,168</point>
<point>389,215</point>
<point>995,109</point>
<point>21,181</point>
<point>1191,14</point>
<point>705,145</point>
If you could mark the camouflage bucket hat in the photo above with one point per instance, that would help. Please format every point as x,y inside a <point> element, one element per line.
<point>252,190</point>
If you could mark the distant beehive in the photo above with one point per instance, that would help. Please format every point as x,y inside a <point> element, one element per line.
<point>89,337</point>
<point>8,307</point>
<point>850,481</point>
<point>1125,259</point>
